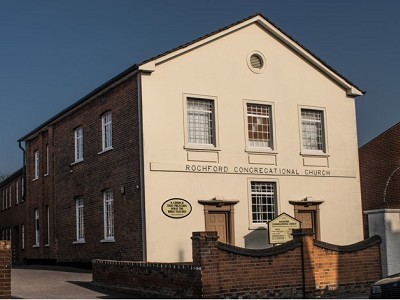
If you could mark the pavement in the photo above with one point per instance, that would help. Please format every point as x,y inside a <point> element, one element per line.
<point>54,282</point>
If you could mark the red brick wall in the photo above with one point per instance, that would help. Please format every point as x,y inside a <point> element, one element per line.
<point>226,274</point>
<point>5,269</point>
<point>231,272</point>
<point>149,279</point>
<point>13,217</point>
<point>378,159</point>
<point>117,169</point>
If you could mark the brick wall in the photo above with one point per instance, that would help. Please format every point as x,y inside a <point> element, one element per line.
<point>149,279</point>
<point>12,216</point>
<point>5,269</point>
<point>116,169</point>
<point>378,159</point>
<point>300,268</point>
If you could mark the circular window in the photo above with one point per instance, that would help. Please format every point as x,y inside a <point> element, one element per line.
<point>256,61</point>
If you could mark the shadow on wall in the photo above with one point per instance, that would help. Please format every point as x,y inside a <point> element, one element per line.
<point>257,239</point>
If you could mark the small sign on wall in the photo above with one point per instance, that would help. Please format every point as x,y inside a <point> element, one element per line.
<point>176,208</point>
<point>280,229</point>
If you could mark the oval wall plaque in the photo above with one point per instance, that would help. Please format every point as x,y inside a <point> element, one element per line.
<point>176,208</point>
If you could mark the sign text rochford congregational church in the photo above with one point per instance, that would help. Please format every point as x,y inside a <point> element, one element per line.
<point>256,170</point>
<point>249,169</point>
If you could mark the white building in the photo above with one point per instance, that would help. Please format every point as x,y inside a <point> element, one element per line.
<point>240,126</point>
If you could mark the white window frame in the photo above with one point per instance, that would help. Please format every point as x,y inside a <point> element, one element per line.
<point>22,189</point>
<point>272,148</point>
<point>320,152</point>
<point>48,226</point>
<point>79,139</point>
<point>80,219</point>
<point>106,131</point>
<point>10,196</point>
<point>47,160</point>
<point>37,228</point>
<point>275,182</point>
<point>108,216</point>
<point>36,163</point>
<point>17,192</point>
<point>6,202</point>
<point>215,141</point>
<point>22,236</point>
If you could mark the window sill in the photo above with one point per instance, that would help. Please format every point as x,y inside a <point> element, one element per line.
<point>78,242</point>
<point>105,150</point>
<point>107,241</point>
<point>34,179</point>
<point>260,151</point>
<point>200,147</point>
<point>47,245</point>
<point>314,153</point>
<point>35,246</point>
<point>76,162</point>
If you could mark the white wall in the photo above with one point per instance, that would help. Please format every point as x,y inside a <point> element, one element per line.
<point>386,224</point>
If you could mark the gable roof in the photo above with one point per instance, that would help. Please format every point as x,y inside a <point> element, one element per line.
<point>149,65</point>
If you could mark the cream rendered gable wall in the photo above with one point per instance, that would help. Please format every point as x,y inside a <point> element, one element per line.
<point>219,70</point>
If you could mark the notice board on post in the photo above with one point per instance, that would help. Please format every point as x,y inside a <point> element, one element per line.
<point>280,229</point>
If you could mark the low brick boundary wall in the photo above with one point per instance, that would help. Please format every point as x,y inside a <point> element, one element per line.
<point>149,279</point>
<point>5,269</point>
<point>300,268</point>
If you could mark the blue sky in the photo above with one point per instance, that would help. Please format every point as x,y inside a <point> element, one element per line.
<point>52,53</point>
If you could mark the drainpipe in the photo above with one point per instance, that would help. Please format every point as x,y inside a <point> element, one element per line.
<point>23,169</point>
<point>141,158</point>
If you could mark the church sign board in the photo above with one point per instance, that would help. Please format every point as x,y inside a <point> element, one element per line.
<point>280,229</point>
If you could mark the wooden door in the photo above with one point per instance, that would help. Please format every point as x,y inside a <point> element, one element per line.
<point>218,222</point>
<point>307,219</point>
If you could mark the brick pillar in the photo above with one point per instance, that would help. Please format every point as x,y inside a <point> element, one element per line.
<point>205,255</point>
<point>307,256</point>
<point>5,269</point>
<point>203,245</point>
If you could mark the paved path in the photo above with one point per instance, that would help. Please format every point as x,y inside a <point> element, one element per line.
<point>53,282</point>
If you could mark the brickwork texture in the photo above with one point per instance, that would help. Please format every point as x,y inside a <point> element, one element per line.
<point>379,160</point>
<point>61,180</point>
<point>301,268</point>
<point>5,269</point>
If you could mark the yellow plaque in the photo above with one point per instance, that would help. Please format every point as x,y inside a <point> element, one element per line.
<point>280,229</point>
<point>176,208</point>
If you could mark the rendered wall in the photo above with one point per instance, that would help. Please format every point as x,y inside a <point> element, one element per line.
<point>386,224</point>
<point>218,69</point>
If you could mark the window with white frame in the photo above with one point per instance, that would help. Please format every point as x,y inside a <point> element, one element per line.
<point>107,130</point>
<point>36,162</point>
<point>108,215</point>
<point>17,192</point>
<point>47,160</point>
<point>201,121</point>
<point>259,125</point>
<point>80,232</point>
<point>47,237</point>
<point>22,236</point>
<point>312,130</point>
<point>78,144</point>
<point>6,197</point>
<point>10,196</point>
<point>37,231</point>
<point>22,189</point>
<point>263,201</point>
